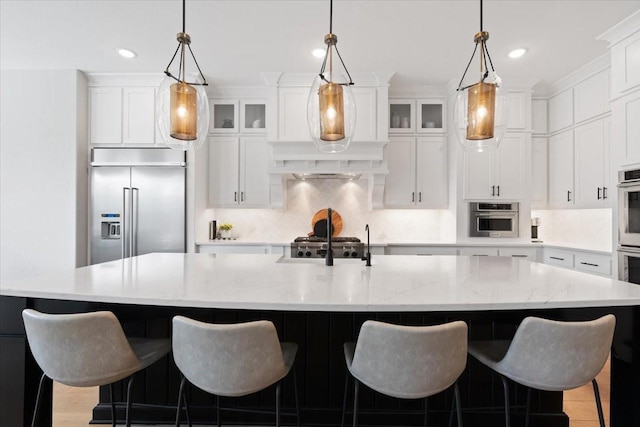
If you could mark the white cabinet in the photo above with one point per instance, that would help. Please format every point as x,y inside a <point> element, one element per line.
<point>558,257</point>
<point>478,251</point>
<point>238,172</point>
<point>626,122</point>
<point>591,144</point>
<point>561,192</point>
<point>625,65</point>
<point>561,111</point>
<point>421,250</point>
<point>517,110</point>
<point>122,115</point>
<point>587,262</point>
<point>539,116</point>
<point>417,172</point>
<point>496,173</point>
<point>591,97</point>
<point>579,166</point>
<point>417,116</point>
<point>530,254</point>
<point>538,172</point>
<point>235,115</point>
<point>234,249</point>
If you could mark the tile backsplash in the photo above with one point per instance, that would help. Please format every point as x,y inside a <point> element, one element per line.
<point>578,228</point>
<point>349,198</point>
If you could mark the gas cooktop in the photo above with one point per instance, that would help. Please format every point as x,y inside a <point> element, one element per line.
<point>316,247</point>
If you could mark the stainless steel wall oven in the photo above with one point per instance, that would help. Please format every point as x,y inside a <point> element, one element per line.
<point>629,226</point>
<point>493,219</point>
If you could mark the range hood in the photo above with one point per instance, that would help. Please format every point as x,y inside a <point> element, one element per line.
<point>306,176</point>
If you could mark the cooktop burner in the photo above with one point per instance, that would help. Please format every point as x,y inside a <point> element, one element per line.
<point>324,239</point>
<point>316,247</point>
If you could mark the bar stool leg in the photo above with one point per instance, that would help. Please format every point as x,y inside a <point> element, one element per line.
<point>344,398</point>
<point>38,396</point>
<point>128,410</point>
<point>180,398</point>
<point>113,406</point>
<point>596,391</point>
<point>218,410</point>
<point>426,413</point>
<point>295,391</point>
<point>507,416</point>
<point>278,404</point>
<point>458,407</point>
<point>526,419</point>
<point>356,387</point>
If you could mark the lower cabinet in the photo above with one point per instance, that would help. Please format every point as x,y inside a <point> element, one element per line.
<point>577,260</point>
<point>238,172</point>
<point>234,249</point>
<point>421,250</point>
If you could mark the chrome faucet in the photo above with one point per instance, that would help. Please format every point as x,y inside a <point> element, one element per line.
<point>329,256</point>
<point>367,256</point>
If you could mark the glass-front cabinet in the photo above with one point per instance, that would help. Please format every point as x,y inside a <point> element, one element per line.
<point>233,116</point>
<point>417,116</point>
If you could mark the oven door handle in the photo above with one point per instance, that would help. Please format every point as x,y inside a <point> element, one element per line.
<point>628,249</point>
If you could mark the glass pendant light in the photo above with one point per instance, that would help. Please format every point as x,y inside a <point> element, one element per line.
<point>331,107</point>
<point>481,110</point>
<point>182,108</point>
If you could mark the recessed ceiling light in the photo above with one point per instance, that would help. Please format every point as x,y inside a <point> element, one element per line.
<point>319,53</point>
<point>517,53</point>
<point>126,53</point>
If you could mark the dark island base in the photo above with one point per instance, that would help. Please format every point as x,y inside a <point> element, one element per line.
<point>320,368</point>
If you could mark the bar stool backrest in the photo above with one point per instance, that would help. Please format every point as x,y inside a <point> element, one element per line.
<point>228,360</point>
<point>410,362</point>
<point>80,350</point>
<point>557,355</point>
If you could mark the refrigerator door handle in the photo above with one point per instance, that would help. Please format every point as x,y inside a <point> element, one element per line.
<point>123,232</point>
<point>134,221</point>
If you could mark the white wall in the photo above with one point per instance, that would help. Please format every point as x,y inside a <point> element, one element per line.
<point>43,172</point>
<point>349,198</point>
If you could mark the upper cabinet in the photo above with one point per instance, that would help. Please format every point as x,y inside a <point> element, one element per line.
<point>539,116</point>
<point>235,115</point>
<point>625,64</point>
<point>122,115</point>
<point>561,111</point>
<point>499,173</point>
<point>417,172</point>
<point>417,116</point>
<point>591,97</point>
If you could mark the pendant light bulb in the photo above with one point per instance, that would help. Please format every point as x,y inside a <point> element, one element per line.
<point>331,107</point>
<point>182,108</point>
<point>481,110</point>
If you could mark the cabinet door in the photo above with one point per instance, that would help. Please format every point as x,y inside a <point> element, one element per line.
<point>253,115</point>
<point>592,97</point>
<point>401,116</point>
<point>292,117</point>
<point>478,174</point>
<point>223,171</point>
<point>431,172</point>
<point>561,170</point>
<point>224,116</point>
<point>431,116</point>
<point>510,167</point>
<point>539,172</point>
<point>625,113</point>
<point>539,116</point>
<point>399,189</point>
<point>366,110</point>
<point>561,111</point>
<point>589,163</point>
<point>517,110</point>
<point>254,173</point>
<point>138,124</point>
<point>105,105</point>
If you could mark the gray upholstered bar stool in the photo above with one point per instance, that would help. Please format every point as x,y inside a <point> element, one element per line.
<point>231,360</point>
<point>407,362</point>
<point>549,355</point>
<point>88,350</point>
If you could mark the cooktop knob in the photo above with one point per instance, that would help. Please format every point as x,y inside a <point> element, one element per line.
<point>308,253</point>
<point>346,254</point>
<point>354,254</point>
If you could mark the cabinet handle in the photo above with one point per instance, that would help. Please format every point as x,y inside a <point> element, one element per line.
<point>413,196</point>
<point>588,263</point>
<point>568,196</point>
<point>235,196</point>
<point>557,258</point>
<point>420,196</point>
<point>498,191</point>
<point>599,193</point>
<point>604,193</point>
<point>493,191</point>
<point>519,256</point>
<point>242,196</point>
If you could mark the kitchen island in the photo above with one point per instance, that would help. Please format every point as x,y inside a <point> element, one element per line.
<point>320,307</point>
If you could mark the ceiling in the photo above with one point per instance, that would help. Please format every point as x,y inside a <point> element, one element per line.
<point>423,42</point>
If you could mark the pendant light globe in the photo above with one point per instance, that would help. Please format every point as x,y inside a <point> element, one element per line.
<point>331,114</point>
<point>480,114</point>
<point>182,111</point>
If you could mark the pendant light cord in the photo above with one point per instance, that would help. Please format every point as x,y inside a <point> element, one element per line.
<point>327,54</point>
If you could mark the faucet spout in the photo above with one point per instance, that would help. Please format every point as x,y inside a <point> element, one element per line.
<point>367,256</point>
<point>329,256</point>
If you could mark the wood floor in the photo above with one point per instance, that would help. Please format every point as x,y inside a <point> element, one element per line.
<point>72,406</point>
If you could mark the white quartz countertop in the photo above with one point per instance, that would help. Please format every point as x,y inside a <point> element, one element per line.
<point>269,282</point>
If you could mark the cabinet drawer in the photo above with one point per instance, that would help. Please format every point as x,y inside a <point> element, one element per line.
<point>559,258</point>
<point>479,251</point>
<point>596,264</point>
<point>421,250</point>
<point>524,253</point>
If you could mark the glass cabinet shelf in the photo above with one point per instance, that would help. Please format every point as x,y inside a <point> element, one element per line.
<point>417,116</point>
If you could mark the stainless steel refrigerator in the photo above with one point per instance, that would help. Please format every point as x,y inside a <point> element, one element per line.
<point>137,202</point>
